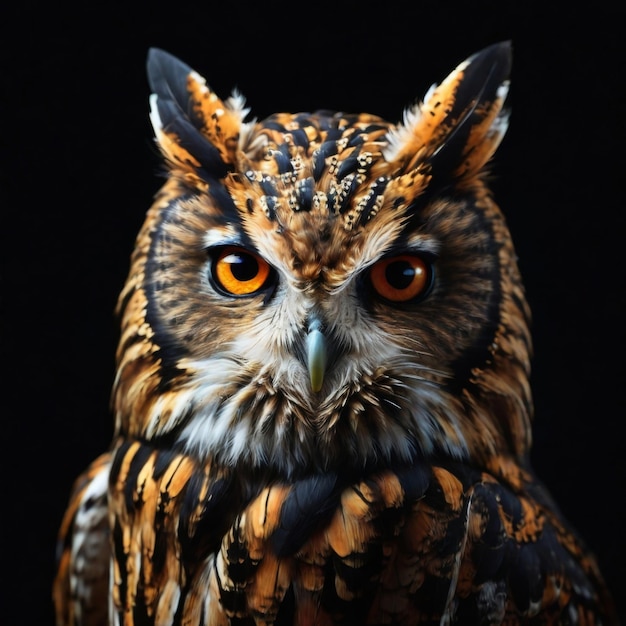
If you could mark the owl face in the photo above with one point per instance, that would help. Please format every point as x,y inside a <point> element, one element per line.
<point>325,290</point>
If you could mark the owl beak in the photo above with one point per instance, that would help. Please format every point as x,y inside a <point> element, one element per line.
<point>316,355</point>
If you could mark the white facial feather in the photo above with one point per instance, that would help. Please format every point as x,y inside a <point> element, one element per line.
<point>269,358</point>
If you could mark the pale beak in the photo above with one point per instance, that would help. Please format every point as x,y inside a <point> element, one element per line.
<point>316,355</point>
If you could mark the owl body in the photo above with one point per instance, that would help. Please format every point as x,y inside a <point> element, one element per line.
<point>322,408</point>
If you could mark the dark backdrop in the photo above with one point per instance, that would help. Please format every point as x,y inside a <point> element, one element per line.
<point>78,173</point>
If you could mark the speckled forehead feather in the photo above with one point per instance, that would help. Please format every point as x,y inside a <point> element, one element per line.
<point>324,162</point>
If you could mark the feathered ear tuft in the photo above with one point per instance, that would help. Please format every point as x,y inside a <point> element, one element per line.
<point>461,122</point>
<point>196,131</point>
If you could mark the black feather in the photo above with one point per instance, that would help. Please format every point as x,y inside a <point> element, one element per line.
<point>167,77</point>
<point>310,502</point>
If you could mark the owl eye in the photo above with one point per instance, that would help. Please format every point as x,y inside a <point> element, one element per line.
<point>401,278</point>
<point>239,272</point>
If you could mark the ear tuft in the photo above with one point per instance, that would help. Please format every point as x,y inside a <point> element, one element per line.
<point>461,122</point>
<point>195,130</point>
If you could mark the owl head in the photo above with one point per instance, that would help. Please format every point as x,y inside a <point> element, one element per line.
<point>326,290</point>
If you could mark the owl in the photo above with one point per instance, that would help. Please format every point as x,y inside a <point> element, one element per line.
<point>322,410</point>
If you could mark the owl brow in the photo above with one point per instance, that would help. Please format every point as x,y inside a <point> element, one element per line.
<point>226,236</point>
<point>415,244</point>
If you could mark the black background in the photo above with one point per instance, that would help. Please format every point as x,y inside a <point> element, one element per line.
<point>78,173</point>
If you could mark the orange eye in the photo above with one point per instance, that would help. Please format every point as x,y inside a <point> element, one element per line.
<point>239,272</point>
<point>401,278</point>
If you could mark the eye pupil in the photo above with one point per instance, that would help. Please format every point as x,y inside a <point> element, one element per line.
<point>400,274</point>
<point>243,267</point>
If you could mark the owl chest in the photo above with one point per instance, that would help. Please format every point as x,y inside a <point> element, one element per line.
<point>190,542</point>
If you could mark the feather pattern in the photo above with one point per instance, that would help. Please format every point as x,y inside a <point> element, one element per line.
<point>322,402</point>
